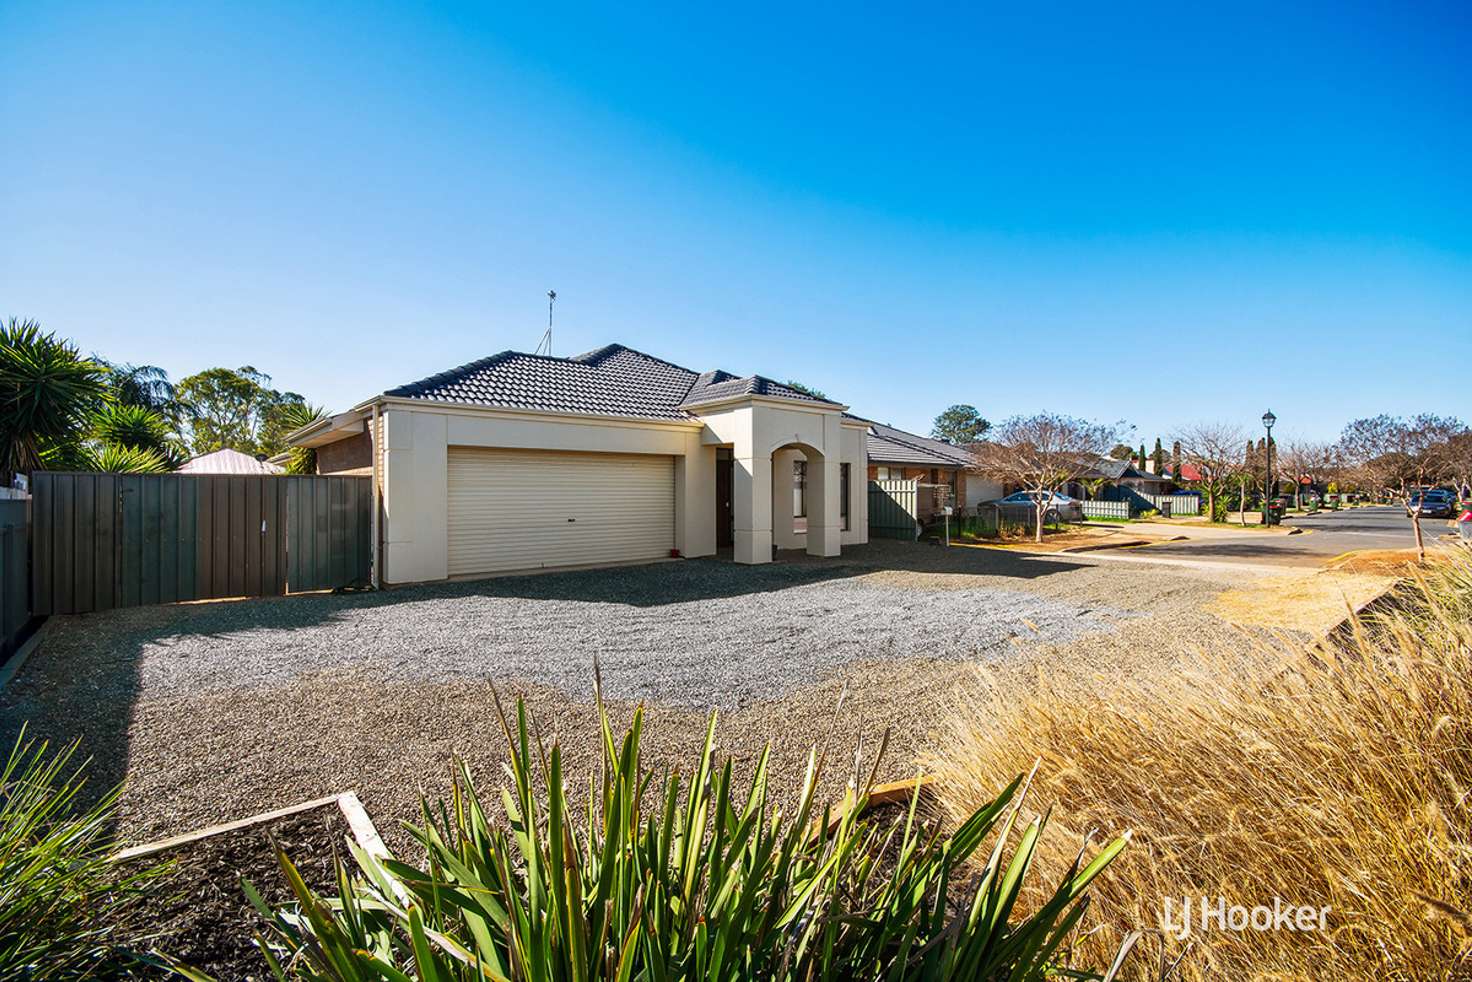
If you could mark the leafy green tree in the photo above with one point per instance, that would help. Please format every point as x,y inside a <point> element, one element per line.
<point>236,408</point>
<point>48,393</point>
<point>961,424</point>
<point>1158,457</point>
<point>224,408</point>
<point>1140,458</point>
<point>285,413</point>
<point>807,389</point>
<point>1122,451</point>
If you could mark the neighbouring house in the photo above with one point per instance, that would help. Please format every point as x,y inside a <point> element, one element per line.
<point>1114,477</point>
<point>228,461</point>
<point>521,461</point>
<point>895,454</point>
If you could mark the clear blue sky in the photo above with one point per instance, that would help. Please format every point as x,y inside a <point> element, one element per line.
<point>901,207</point>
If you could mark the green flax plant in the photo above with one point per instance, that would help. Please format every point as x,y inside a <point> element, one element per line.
<point>64,906</point>
<point>684,879</point>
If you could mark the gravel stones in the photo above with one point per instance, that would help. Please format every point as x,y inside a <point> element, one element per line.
<point>210,712</point>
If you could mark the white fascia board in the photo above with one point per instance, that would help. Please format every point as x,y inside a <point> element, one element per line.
<point>506,412</point>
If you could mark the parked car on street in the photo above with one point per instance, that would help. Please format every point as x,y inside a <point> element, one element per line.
<point>1434,503</point>
<point>1060,506</point>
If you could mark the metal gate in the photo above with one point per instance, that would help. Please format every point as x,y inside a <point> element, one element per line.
<point>893,509</point>
<point>101,541</point>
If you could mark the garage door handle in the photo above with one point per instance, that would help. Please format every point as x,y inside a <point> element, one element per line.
<point>572,519</point>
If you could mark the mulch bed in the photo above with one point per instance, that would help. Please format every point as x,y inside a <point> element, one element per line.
<point>197,913</point>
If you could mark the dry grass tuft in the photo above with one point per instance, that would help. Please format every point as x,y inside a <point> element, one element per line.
<point>1337,774</point>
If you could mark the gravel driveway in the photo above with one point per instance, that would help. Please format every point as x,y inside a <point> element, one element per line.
<point>210,712</point>
<point>701,634</point>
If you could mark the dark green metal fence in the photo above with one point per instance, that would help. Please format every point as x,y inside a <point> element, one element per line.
<point>102,541</point>
<point>893,510</point>
<point>328,531</point>
<point>15,613</point>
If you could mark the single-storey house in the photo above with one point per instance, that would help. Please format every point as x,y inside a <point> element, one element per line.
<point>895,454</point>
<point>1113,476</point>
<point>228,461</point>
<point>520,461</point>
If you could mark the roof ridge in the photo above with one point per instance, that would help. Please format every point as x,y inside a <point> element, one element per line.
<point>898,435</point>
<point>613,346</point>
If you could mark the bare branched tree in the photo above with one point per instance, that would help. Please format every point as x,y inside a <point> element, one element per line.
<point>1400,456</point>
<point>1043,453</point>
<point>1214,450</point>
<point>1306,459</point>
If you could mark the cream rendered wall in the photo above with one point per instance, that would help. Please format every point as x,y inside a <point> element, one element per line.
<point>757,431</point>
<point>856,455</point>
<point>415,497</point>
<point>415,474</point>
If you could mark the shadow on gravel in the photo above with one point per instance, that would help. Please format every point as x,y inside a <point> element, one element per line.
<point>1276,551</point>
<point>77,688</point>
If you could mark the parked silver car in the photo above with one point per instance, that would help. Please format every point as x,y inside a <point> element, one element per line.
<point>1060,506</point>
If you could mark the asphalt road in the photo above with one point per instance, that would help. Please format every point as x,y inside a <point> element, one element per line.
<point>1326,535</point>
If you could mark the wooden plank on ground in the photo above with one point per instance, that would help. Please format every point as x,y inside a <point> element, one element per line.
<point>174,842</point>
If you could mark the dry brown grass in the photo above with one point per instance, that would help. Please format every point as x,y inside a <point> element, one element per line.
<point>1337,774</point>
<point>1309,602</point>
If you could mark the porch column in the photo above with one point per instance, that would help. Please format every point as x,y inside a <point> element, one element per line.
<point>751,507</point>
<point>825,525</point>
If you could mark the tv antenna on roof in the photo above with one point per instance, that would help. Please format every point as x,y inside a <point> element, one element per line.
<point>546,341</point>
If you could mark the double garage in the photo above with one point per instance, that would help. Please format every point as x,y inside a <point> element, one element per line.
<point>528,509</point>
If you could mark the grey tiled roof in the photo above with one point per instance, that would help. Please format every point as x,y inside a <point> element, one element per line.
<point>712,386</point>
<point>888,445</point>
<point>1120,470</point>
<point>611,381</point>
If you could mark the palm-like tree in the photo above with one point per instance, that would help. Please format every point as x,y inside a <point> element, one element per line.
<point>112,459</point>
<point>143,385</point>
<point>292,417</point>
<point>48,393</point>
<point>122,425</point>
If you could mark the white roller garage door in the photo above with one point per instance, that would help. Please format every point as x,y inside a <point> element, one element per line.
<point>524,509</point>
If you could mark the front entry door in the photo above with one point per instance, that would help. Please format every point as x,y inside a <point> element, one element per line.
<point>725,516</point>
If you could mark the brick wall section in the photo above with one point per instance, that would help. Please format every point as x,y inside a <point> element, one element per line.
<point>350,455</point>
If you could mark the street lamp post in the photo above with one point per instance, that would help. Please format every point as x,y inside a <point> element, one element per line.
<point>1268,419</point>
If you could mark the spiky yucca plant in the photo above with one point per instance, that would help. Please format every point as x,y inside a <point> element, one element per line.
<point>48,392</point>
<point>710,882</point>
<point>124,460</point>
<point>293,416</point>
<point>121,425</point>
